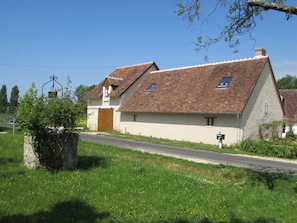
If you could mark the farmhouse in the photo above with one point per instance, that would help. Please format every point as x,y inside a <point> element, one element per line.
<point>192,103</point>
<point>289,99</point>
<point>105,99</point>
<point>196,103</point>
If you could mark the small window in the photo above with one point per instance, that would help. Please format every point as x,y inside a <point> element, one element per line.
<point>150,87</point>
<point>224,83</point>
<point>106,92</point>
<point>265,109</point>
<point>210,121</point>
<point>134,118</point>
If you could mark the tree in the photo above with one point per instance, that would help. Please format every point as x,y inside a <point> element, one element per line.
<point>14,97</point>
<point>3,99</point>
<point>240,14</point>
<point>81,91</point>
<point>287,82</point>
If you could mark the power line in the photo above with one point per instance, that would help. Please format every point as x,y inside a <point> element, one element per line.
<point>83,67</point>
<point>60,67</point>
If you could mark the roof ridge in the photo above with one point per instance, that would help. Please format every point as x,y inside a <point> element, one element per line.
<point>136,65</point>
<point>209,64</point>
<point>115,78</point>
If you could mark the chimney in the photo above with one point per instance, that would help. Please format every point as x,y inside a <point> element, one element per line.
<point>260,52</point>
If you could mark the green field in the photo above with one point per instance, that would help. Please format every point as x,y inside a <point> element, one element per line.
<point>4,117</point>
<point>119,185</point>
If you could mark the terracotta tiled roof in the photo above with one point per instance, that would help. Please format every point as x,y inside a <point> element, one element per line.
<point>194,89</point>
<point>96,92</point>
<point>113,81</point>
<point>290,104</point>
<point>122,77</point>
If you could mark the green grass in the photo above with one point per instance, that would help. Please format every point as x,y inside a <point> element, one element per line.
<point>184,144</point>
<point>119,185</point>
<point>233,149</point>
<point>4,117</point>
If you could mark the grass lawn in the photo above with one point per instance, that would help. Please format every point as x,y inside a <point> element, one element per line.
<point>118,185</point>
<point>4,117</point>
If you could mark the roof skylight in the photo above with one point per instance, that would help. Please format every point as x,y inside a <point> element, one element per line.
<point>150,87</point>
<point>224,83</point>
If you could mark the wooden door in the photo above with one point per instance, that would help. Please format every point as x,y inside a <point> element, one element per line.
<point>105,119</point>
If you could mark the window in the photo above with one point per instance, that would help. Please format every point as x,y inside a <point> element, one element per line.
<point>224,83</point>
<point>106,92</point>
<point>134,118</point>
<point>265,109</point>
<point>150,87</point>
<point>210,121</point>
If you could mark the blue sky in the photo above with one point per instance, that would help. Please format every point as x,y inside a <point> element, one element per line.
<point>87,39</point>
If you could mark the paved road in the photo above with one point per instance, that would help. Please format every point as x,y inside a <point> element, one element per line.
<point>6,124</point>
<point>199,156</point>
<point>257,163</point>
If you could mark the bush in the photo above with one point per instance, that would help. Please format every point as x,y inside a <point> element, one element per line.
<point>37,114</point>
<point>290,135</point>
<point>269,148</point>
<point>271,130</point>
<point>50,124</point>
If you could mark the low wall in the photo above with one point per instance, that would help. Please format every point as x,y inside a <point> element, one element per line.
<point>53,151</point>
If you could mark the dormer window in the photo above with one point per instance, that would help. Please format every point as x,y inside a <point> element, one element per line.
<point>150,88</point>
<point>114,87</point>
<point>106,91</point>
<point>224,83</point>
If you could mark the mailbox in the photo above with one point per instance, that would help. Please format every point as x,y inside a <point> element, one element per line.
<point>220,136</point>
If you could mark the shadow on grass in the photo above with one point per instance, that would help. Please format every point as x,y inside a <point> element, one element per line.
<point>88,162</point>
<point>266,178</point>
<point>5,161</point>
<point>64,212</point>
<point>2,129</point>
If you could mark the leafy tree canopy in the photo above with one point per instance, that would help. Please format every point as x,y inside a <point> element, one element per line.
<point>38,114</point>
<point>81,91</point>
<point>3,99</point>
<point>287,82</point>
<point>241,16</point>
<point>14,97</point>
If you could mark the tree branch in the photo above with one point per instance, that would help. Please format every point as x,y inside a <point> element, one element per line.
<point>273,6</point>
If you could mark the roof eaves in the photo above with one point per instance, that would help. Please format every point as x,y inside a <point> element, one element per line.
<point>171,112</point>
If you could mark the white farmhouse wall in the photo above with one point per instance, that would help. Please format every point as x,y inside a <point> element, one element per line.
<point>263,106</point>
<point>92,112</point>
<point>294,128</point>
<point>185,127</point>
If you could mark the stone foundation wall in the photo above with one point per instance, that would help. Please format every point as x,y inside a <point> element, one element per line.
<point>55,151</point>
<point>30,157</point>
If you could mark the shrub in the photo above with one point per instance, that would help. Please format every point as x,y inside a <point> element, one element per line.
<point>271,130</point>
<point>269,148</point>
<point>290,135</point>
<point>50,122</point>
<point>37,114</point>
